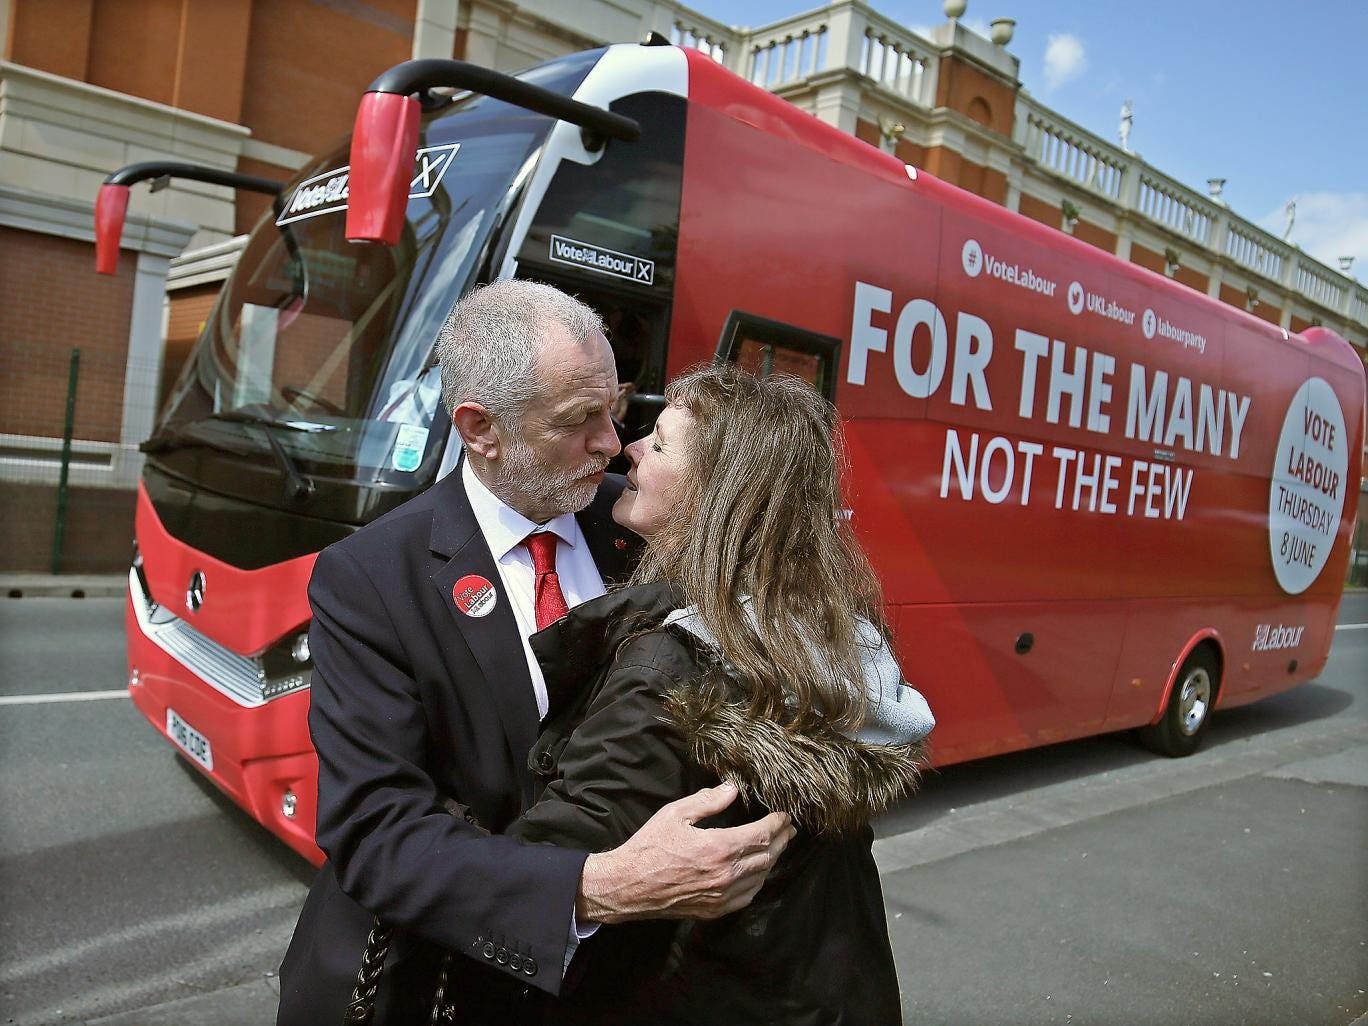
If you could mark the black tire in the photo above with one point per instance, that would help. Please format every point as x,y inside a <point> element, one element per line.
<point>1179,731</point>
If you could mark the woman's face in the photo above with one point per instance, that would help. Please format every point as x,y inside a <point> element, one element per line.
<point>655,484</point>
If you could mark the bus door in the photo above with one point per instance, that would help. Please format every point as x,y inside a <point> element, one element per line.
<point>607,232</point>
<point>637,330</point>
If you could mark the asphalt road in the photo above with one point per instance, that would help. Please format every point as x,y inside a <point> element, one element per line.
<point>1088,882</point>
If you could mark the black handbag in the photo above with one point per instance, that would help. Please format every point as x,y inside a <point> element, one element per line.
<point>362,1004</point>
<point>361,1007</point>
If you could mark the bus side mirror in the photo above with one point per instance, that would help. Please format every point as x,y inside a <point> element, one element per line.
<point>111,205</point>
<point>384,146</point>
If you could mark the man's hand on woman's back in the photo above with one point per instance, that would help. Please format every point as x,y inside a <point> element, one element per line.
<point>672,869</point>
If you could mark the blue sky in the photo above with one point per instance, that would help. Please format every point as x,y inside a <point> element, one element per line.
<point>1265,94</point>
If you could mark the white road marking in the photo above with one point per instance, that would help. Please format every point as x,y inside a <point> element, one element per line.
<point>63,696</point>
<point>208,920</point>
<point>195,976</point>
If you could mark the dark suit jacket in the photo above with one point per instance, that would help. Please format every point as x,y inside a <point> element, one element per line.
<point>415,703</point>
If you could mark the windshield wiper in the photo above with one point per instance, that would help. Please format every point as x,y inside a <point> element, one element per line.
<point>300,487</point>
<point>181,436</point>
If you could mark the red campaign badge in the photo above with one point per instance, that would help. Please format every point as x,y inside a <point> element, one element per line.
<point>620,543</point>
<point>474,595</point>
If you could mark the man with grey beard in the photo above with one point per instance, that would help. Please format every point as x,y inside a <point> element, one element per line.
<point>426,700</point>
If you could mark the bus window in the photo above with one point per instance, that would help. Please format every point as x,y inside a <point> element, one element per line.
<point>615,222</point>
<point>636,329</point>
<point>607,234</point>
<point>766,347</point>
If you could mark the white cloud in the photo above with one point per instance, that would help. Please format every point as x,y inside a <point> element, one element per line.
<point>1329,225</point>
<point>1064,59</point>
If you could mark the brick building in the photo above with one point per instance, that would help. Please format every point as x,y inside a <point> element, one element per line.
<point>256,86</point>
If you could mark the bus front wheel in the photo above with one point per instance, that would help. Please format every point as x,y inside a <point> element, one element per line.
<point>1179,731</point>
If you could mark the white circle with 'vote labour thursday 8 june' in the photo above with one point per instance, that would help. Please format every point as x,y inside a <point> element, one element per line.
<point>1306,493</point>
<point>971,256</point>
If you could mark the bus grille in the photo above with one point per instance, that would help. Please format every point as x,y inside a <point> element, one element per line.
<point>240,678</point>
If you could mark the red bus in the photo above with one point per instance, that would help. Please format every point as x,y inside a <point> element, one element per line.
<point>1098,499</point>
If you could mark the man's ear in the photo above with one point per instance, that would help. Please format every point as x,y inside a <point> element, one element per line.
<point>476,426</point>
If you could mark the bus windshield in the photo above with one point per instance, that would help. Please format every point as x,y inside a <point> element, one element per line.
<point>319,354</point>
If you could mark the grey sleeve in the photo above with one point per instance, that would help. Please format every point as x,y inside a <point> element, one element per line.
<point>898,714</point>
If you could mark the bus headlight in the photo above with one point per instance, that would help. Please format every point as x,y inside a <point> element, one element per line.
<point>300,649</point>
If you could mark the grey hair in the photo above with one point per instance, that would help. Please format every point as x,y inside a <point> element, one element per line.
<point>489,345</point>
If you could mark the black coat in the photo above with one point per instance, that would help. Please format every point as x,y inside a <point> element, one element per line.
<point>632,727</point>
<point>416,704</point>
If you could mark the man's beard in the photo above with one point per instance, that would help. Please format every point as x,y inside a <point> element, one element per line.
<point>521,472</point>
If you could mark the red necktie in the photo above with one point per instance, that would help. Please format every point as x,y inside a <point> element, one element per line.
<point>550,601</point>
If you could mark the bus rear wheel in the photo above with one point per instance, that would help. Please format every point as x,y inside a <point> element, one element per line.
<point>1179,731</point>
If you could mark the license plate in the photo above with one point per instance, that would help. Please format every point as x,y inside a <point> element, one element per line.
<point>190,740</point>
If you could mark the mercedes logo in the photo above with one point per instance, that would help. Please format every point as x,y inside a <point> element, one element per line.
<point>194,595</point>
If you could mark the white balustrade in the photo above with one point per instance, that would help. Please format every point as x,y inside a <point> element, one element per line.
<point>713,40</point>
<point>1175,207</point>
<point>1255,250</point>
<point>1070,151</point>
<point>900,63</point>
<point>1317,286</point>
<point>1358,306</point>
<point>777,60</point>
<point>839,36</point>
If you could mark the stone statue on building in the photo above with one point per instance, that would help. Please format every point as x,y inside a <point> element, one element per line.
<point>1124,130</point>
<point>1290,212</point>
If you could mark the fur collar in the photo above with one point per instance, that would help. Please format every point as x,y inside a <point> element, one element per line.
<point>829,784</point>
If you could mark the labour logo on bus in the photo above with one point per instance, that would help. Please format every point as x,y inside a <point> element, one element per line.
<point>971,256</point>
<point>602,260</point>
<point>327,193</point>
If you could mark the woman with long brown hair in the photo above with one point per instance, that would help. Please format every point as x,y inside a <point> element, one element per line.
<point>750,648</point>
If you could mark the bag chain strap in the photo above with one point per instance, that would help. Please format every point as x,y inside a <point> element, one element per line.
<point>443,1011</point>
<point>362,1004</point>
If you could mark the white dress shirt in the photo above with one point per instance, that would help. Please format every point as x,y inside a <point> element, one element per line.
<point>504,530</point>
